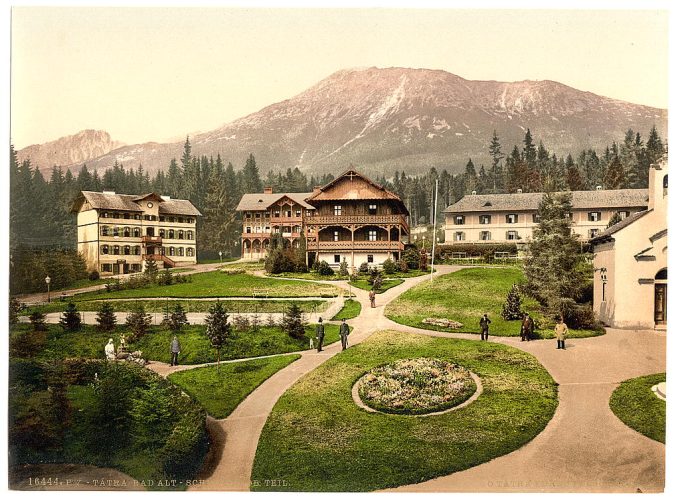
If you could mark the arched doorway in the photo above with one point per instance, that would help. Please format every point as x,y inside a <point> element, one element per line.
<point>661,297</point>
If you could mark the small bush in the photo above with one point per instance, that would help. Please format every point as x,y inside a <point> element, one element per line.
<point>343,271</point>
<point>402,265</point>
<point>389,267</point>
<point>241,323</point>
<point>324,269</point>
<point>93,275</point>
<point>363,268</point>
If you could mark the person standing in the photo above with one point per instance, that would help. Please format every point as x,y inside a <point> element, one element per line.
<point>344,333</point>
<point>561,331</point>
<point>320,331</point>
<point>371,296</point>
<point>174,350</point>
<point>527,328</point>
<point>484,323</point>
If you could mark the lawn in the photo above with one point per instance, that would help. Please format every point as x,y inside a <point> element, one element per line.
<point>89,343</point>
<point>464,296</point>
<point>388,283</point>
<point>351,309</point>
<point>220,392</point>
<point>197,306</point>
<point>220,284</point>
<point>318,439</point>
<point>638,407</point>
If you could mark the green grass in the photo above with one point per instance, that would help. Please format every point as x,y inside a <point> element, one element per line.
<point>388,283</point>
<point>160,305</point>
<point>311,275</point>
<point>89,343</point>
<point>634,403</point>
<point>318,439</point>
<point>351,309</point>
<point>219,284</point>
<point>464,296</point>
<point>220,392</point>
<point>217,260</point>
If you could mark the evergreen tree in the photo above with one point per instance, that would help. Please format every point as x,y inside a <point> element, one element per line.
<point>512,309</point>
<point>292,322</point>
<point>614,176</point>
<point>251,176</point>
<point>496,172</point>
<point>138,321</point>
<point>178,318</point>
<point>70,318</point>
<point>655,146</point>
<point>555,270</point>
<point>529,153</point>
<point>217,328</point>
<point>616,218</point>
<point>106,317</point>
<point>150,267</point>
<point>37,319</point>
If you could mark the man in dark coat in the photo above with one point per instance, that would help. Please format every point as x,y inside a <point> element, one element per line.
<point>344,333</point>
<point>371,297</point>
<point>320,331</point>
<point>174,350</point>
<point>526,331</point>
<point>484,325</point>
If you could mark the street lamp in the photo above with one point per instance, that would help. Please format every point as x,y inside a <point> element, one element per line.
<point>47,281</point>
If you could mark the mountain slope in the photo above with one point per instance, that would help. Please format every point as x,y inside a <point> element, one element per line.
<point>412,119</point>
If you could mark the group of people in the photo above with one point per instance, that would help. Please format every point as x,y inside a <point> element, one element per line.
<point>526,330</point>
<point>321,332</point>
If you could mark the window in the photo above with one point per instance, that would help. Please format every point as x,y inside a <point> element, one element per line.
<point>116,250</point>
<point>180,251</point>
<point>593,232</point>
<point>594,216</point>
<point>485,219</point>
<point>116,231</point>
<point>105,249</point>
<point>372,209</point>
<point>172,219</point>
<point>257,215</point>
<point>161,233</point>
<point>336,236</point>
<point>277,213</point>
<point>511,235</point>
<point>105,214</point>
<point>180,234</point>
<point>337,210</point>
<point>336,258</point>
<point>136,267</point>
<point>249,229</point>
<point>180,219</point>
<point>369,258</point>
<point>190,251</point>
<point>535,217</point>
<point>161,219</point>
<point>136,250</point>
<point>665,185</point>
<point>459,236</point>
<point>147,217</point>
<point>248,215</point>
<point>485,235</point>
<point>267,214</point>
<point>171,250</point>
<point>105,231</point>
<point>138,217</point>
<point>296,229</point>
<point>623,214</point>
<point>459,220</point>
<point>372,235</point>
<point>570,216</point>
<point>511,218</point>
<point>126,250</point>
<point>171,233</point>
<point>126,231</point>
<point>136,232</point>
<point>298,213</point>
<point>289,213</point>
<point>107,268</point>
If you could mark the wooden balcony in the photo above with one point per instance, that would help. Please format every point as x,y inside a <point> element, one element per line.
<point>385,245</point>
<point>363,219</point>
<point>152,240</point>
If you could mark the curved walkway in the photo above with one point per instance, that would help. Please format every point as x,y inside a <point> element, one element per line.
<point>584,448</point>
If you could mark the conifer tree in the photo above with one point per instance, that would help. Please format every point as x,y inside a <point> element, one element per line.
<point>292,322</point>
<point>217,328</point>
<point>138,321</point>
<point>70,318</point>
<point>178,318</point>
<point>512,309</point>
<point>106,317</point>
<point>496,171</point>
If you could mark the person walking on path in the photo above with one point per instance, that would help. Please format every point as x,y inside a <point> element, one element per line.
<point>484,325</point>
<point>320,331</point>
<point>344,333</point>
<point>174,351</point>
<point>371,296</point>
<point>527,328</point>
<point>561,332</point>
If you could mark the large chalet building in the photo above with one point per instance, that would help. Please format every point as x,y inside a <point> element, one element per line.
<point>512,217</point>
<point>118,233</point>
<point>351,218</point>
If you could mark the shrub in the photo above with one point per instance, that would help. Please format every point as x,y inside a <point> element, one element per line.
<point>15,308</point>
<point>37,319</point>
<point>402,265</point>
<point>377,282</point>
<point>446,252</point>
<point>512,309</point>
<point>363,268</point>
<point>70,319</point>
<point>343,270</point>
<point>389,267</point>
<point>106,317</point>
<point>324,269</point>
<point>93,275</point>
<point>241,323</point>
<point>27,344</point>
<point>165,277</point>
<point>412,257</point>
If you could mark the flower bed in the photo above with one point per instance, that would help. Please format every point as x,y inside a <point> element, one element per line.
<point>416,386</point>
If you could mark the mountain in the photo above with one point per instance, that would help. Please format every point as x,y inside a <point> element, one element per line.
<point>69,150</point>
<point>386,119</point>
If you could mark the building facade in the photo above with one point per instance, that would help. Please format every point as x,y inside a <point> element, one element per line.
<point>117,233</point>
<point>351,219</point>
<point>512,217</point>
<point>630,259</point>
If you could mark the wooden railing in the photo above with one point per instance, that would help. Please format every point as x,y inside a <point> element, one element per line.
<point>152,240</point>
<point>161,257</point>
<point>359,219</point>
<point>357,245</point>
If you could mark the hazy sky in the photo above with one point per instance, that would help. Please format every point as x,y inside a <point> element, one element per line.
<point>153,74</point>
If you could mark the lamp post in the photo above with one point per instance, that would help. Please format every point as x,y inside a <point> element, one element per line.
<point>47,281</point>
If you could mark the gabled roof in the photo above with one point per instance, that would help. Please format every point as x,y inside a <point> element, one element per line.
<point>606,235</point>
<point>359,193</point>
<point>129,203</point>
<point>262,201</point>
<point>596,199</point>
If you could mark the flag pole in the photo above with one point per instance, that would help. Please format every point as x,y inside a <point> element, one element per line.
<point>434,227</point>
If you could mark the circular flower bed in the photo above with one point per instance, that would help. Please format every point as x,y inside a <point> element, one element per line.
<point>416,386</point>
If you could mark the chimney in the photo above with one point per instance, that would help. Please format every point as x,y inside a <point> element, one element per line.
<point>317,189</point>
<point>109,192</point>
<point>474,192</point>
<point>268,190</point>
<point>598,188</point>
<point>519,190</point>
<point>165,198</point>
